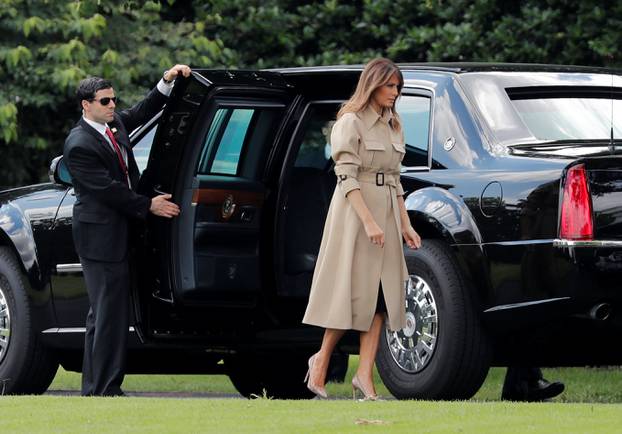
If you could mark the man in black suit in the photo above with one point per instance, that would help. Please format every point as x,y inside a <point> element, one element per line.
<point>104,174</point>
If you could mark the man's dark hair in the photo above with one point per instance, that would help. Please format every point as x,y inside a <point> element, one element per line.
<point>89,86</point>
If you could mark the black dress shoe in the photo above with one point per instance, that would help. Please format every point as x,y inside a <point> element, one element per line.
<point>543,389</point>
<point>533,391</point>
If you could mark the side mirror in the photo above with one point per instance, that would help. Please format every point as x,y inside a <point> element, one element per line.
<point>59,174</point>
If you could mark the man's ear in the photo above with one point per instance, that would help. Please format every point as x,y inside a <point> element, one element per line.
<point>84,104</point>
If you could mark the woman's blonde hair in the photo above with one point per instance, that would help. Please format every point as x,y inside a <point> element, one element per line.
<point>377,73</point>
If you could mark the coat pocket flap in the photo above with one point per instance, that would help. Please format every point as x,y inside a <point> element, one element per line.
<point>374,145</point>
<point>399,147</point>
<point>91,217</point>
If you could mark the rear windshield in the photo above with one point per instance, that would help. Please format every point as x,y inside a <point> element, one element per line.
<point>554,116</point>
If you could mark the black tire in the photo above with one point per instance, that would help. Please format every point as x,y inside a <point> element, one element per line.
<point>459,362</point>
<point>274,375</point>
<point>26,366</point>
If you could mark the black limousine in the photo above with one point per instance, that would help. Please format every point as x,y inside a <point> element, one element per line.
<point>513,178</point>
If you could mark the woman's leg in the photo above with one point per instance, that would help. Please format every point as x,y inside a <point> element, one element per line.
<point>369,341</point>
<point>322,357</point>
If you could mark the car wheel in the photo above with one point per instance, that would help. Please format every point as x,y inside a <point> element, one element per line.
<point>26,366</point>
<point>274,375</point>
<point>443,352</point>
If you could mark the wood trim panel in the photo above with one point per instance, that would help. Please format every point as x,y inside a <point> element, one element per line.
<point>214,196</point>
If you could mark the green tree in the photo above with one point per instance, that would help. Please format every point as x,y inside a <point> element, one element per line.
<point>293,32</point>
<point>49,45</point>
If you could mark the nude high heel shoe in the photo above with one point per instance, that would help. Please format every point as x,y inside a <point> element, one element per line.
<point>319,392</point>
<point>357,386</point>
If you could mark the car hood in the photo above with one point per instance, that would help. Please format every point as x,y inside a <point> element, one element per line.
<point>37,203</point>
<point>33,192</point>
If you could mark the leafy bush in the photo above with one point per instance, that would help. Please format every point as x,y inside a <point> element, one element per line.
<point>49,46</point>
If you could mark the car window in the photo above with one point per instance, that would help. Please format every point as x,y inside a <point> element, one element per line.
<point>315,148</point>
<point>142,148</point>
<point>570,118</point>
<point>414,112</point>
<point>235,134</point>
<point>228,152</point>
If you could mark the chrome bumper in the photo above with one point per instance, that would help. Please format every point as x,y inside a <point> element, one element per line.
<point>589,243</point>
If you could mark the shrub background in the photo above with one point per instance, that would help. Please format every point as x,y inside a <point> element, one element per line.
<point>47,46</point>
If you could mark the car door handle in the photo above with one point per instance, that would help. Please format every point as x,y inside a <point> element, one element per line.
<point>247,213</point>
<point>157,190</point>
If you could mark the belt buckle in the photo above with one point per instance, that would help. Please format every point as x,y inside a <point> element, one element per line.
<point>379,179</point>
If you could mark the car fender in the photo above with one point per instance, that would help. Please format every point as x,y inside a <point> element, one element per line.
<point>437,213</point>
<point>446,212</point>
<point>17,233</point>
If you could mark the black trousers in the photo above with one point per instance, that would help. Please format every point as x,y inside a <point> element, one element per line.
<point>520,376</point>
<point>107,324</point>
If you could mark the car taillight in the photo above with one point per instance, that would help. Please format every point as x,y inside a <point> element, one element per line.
<point>576,213</point>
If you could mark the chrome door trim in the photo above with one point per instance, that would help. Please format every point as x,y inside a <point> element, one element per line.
<point>67,330</point>
<point>68,268</point>
<point>524,304</point>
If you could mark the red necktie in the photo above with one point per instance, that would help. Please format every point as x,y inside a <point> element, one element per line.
<point>119,154</point>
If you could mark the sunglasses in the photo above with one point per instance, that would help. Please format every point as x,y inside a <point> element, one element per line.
<point>105,100</point>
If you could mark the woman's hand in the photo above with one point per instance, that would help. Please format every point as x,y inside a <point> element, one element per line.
<point>374,233</point>
<point>412,238</point>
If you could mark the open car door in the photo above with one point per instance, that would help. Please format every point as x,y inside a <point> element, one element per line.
<point>210,152</point>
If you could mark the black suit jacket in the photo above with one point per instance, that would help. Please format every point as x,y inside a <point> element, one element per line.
<point>105,204</point>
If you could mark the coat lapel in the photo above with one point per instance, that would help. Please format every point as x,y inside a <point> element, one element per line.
<point>123,139</point>
<point>121,134</point>
<point>93,132</point>
<point>103,148</point>
<point>109,153</point>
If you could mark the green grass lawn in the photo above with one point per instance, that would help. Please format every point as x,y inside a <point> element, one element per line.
<point>589,385</point>
<point>45,414</point>
<point>588,405</point>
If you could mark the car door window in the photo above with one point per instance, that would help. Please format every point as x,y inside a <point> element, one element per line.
<point>236,134</point>
<point>315,150</point>
<point>142,148</point>
<point>228,152</point>
<point>415,112</point>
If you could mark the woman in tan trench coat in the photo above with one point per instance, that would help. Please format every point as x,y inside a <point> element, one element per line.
<point>360,273</point>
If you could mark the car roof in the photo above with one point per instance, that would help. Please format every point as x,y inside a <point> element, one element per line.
<point>458,68</point>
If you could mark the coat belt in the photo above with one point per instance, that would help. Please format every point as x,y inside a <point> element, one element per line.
<point>378,178</point>
<point>389,178</point>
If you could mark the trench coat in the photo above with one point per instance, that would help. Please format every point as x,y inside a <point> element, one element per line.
<point>367,152</point>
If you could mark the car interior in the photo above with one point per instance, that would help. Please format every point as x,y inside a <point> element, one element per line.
<point>308,191</point>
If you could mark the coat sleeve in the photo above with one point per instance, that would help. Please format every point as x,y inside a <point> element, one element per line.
<point>399,188</point>
<point>345,143</point>
<point>92,176</point>
<point>144,110</point>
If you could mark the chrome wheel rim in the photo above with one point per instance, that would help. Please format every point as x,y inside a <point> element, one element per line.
<point>5,322</point>
<point>413,346</point>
